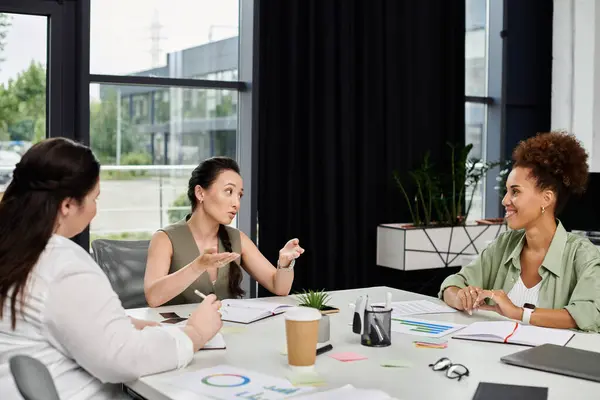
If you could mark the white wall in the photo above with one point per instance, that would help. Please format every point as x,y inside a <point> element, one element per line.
<point>576,73</point>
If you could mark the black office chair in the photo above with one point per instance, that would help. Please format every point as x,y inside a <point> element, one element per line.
<point>124,262</point>
<point>32,378</point>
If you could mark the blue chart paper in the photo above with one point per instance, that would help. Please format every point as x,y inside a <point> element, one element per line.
<point>420,327</point>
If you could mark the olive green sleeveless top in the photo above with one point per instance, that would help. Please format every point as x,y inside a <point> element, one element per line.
<point>185,250</point>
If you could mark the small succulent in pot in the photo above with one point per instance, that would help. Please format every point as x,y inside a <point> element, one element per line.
<point>314,299</point>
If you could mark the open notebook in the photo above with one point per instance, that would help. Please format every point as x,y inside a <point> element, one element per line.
<point>514,333</point>
<point>247,311</point>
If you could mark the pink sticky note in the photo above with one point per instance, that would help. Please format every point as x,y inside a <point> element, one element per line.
<point>347,356</point>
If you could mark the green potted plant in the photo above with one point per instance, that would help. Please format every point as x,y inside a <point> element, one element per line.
<point>319,300</point>
<point>439,199</point>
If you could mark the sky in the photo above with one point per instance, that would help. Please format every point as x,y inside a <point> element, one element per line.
<point>120,33</point>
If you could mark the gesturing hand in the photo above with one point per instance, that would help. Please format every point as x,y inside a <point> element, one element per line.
<point>504,306</point>
<point>211,259</point>
<point>289,252</point>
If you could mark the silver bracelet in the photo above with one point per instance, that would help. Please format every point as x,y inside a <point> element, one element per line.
<point>289,267</point>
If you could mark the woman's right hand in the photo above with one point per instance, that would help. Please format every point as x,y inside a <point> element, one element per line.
<point>211,259</point>
<point>467,298</point>
<point>205,321</point>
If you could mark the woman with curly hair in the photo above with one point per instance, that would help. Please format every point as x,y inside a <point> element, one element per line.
<point>536,273</point>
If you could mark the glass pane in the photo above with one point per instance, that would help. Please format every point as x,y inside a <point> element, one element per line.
<point>474,134</point>
<point>23,60</point>
<point>476,48</point>
<point>182,39</point>
<point>475,128</point>
<point>149,148</point>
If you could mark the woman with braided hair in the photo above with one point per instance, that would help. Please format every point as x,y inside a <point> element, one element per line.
<point>56,304</point>
<point>536,273</point>
<point>203,253</point>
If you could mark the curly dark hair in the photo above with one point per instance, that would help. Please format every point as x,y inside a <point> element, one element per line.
<point>558,162</point>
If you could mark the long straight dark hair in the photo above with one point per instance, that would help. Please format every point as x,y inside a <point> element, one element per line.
<point>49,172</point>
<point>204,175</point>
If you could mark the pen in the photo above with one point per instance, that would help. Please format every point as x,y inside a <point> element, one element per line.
<point>324,349</point>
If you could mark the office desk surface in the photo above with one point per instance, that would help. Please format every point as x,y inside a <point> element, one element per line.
<point>259,348</point>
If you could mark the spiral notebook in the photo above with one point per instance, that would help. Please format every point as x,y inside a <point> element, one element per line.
<point>514,333</point>
<point>248,311</point>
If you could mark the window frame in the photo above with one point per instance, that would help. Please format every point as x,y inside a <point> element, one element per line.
<point>494,134</point>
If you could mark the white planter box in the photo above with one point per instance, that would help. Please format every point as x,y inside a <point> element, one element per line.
<point>410,249</point>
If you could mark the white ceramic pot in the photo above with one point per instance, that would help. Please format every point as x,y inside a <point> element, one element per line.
<point>324,329</point>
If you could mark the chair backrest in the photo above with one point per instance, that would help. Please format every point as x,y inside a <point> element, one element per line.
<point>124,262</point>
<point>32,378</point>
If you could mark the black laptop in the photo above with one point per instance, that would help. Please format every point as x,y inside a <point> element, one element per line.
<point>559,360</point>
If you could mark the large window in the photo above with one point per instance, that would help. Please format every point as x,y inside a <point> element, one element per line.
<point>23,64</point>
<point>164,96</point>
<point>148,140</point>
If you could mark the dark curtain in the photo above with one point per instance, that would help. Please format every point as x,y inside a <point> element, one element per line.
<point>347,92</point>
<point>528,70</point>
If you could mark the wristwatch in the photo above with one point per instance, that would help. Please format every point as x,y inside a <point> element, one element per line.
<point>289,267</point>
<point>528,309</point>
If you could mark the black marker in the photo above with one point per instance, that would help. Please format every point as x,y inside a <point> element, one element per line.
<point>324,349</point>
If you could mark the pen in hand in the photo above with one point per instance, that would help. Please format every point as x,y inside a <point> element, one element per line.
<point>200,294</point>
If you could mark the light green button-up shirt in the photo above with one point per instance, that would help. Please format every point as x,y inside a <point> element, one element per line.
<point>570,274</point>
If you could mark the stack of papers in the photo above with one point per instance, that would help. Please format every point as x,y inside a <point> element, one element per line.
<point>247,311</point>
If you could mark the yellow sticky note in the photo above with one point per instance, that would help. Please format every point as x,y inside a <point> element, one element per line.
<point>305,378</point>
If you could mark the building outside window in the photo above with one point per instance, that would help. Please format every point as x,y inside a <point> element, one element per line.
<point>149,137</point>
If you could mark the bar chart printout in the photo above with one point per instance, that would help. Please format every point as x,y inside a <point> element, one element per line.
<point>420,327</point>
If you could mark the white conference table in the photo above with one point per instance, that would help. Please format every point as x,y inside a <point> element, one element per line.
<point>259,348</point>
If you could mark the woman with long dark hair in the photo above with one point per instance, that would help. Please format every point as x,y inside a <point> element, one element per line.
<point>203,253</point>
<point>55,302</point>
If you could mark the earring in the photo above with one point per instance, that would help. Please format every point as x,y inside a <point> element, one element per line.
<point>543,209</point>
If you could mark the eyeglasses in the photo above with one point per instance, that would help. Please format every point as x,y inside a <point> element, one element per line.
<point>453,371</point>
